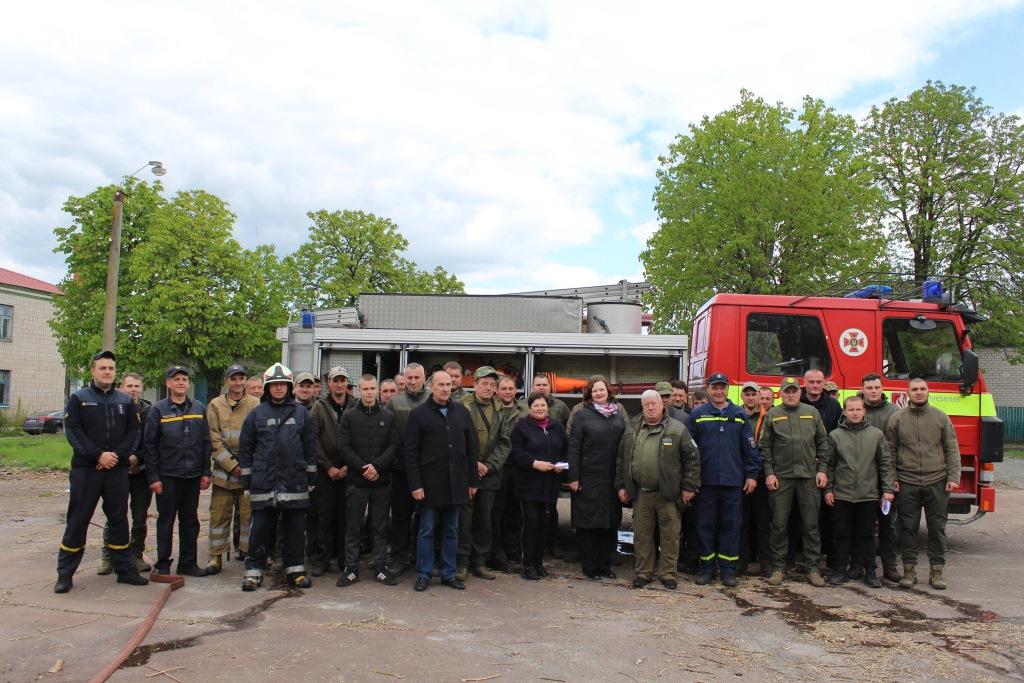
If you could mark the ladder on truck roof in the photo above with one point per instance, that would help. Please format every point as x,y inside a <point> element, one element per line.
<point>904,286</point>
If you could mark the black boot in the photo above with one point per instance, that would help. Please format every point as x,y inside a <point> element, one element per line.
<point>133,578</point>
<point>64,583</point>
<point>838,578</point>
<point>871,579</point>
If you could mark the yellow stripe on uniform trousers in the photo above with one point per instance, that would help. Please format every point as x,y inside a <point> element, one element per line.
<point>70,550</point>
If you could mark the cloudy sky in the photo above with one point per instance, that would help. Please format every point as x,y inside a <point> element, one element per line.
<point>513,143</point>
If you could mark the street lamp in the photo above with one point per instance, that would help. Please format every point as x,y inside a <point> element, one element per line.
<point>114,260</point>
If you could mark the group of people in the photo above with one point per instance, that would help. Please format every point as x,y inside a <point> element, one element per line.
<point>450,483</point>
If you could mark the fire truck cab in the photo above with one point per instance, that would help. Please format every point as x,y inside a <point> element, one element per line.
<point>763,338</point>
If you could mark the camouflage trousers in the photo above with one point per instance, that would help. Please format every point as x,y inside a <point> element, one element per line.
<point>222,508</point>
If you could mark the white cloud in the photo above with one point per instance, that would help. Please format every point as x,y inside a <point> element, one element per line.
<point>478,127</point>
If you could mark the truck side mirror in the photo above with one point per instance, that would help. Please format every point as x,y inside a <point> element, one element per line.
<point>969,372</point>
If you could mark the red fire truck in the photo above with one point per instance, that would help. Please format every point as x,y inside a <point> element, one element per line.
<point>763,338</point>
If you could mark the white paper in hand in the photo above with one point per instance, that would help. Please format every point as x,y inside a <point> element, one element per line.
<point>562,466</point>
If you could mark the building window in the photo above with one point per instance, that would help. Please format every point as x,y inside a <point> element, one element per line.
<point>780,345</point>
<point>5,388</point>
<point>6,321</point>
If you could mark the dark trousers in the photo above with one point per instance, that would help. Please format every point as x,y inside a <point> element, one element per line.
<point>432,518</point>
<point>88,486</point>
<point>401,532</point>
<point>236,527</point>
<point>329,501</point>
<point>506,519</point>
<point>889,536</point>
<point>139,500</point>
<point>756,528</point>
<point>475,528</point>
<point>261,538</point>
<point>360,498</point>
<point>854,528</point>
<point>596,549</point>
<point>934,500</point>
<point>536,516</point>
<point>180,500</point>
<point>689,543</point>
<point>825,523</point>
<point>807,498</point>
<point>719,509</point>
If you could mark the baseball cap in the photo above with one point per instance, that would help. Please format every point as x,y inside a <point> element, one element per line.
<point>789,383</point>
<point>663,388</point>
<point>717,378</point>
<point>235,369</point>
<point>104,354</point>
<point>177,370</point>
<point>485,371</point>
<point>831,386</point>
<point>304,377</point>
<point>337,371</point>
<point>751,385</point>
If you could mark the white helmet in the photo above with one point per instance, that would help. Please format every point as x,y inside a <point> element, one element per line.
<point>278,373</point>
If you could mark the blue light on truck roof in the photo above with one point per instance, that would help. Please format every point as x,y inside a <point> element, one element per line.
<point>931,291</point>
<point>870,292</point>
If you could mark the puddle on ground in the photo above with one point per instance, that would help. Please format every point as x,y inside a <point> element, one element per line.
<point>235,621</point>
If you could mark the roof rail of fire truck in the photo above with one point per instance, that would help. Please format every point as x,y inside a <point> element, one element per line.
<point>890,286</point>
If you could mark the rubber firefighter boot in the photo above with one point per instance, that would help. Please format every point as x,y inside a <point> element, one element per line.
<point>909,576</point>
<point>105,567</point>
<point>214,565</point>
<point>935,577</point>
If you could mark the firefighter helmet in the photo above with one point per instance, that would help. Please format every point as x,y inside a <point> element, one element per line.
<point>277,373</point>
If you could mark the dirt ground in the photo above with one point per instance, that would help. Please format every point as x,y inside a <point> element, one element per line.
<point>561,629</point>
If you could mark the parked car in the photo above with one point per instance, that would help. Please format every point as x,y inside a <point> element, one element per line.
<point>49,422</point>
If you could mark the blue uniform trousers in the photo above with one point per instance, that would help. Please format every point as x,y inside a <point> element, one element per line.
<point>719,513</point>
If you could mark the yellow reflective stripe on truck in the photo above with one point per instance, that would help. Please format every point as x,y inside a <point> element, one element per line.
<point>950,402</point>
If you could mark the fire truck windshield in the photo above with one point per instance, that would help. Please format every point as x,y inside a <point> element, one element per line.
<point>931,354</point>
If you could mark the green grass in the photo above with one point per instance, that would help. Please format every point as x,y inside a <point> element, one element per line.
<point>43,452</point>
<point>1015,451</point>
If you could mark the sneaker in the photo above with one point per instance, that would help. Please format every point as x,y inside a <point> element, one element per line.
<point>670,584</point>
<point>105,568</point>
<point>704,579</point>
<point>453,582</point>
<point>481,572</point>
<point>64,584</point>
<point>421,584</point>
<point>385,577</point>
<point>640,581</point>
<point>348,577</point>
<point>729,580</point>
<point>132,579</point>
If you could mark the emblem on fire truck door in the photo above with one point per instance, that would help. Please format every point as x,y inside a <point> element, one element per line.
<point>853,342</point>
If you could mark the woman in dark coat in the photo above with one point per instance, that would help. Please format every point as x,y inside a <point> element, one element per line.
<point>593,449</point>
<point>538,443</point>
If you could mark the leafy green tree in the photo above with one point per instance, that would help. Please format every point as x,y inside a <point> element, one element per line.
<point>349,252</point>
<point>189,293</point>
<point>950,170</point>
<point>758,199</point>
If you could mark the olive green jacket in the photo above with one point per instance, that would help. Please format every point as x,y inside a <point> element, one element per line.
<point>793,442</point>
<point>679,461</point>
<point>557,409</point>
<point>923,447</point>
<point>859,468</point>
<point>879,415</point>
<point>495,451</point>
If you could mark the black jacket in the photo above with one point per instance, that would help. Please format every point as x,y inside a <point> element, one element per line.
<point>177,441</point>
<point>144,407</point>
<point>368,437</point>
<point>827,407</point>
<point>532,442</point>
<point>277,455</point>
<point>440,453</point>
<point>97,421</point>
<point>593,454</point>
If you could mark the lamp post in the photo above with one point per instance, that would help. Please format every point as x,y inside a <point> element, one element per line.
<point>114,260</point>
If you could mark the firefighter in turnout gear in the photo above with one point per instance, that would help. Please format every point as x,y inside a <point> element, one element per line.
<point>102,426</point>
<point>277,458</point>
<point>225,415</point>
